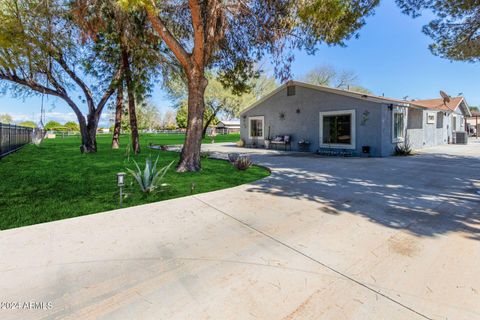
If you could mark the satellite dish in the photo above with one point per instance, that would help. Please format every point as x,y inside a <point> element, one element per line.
<point>445,97</point>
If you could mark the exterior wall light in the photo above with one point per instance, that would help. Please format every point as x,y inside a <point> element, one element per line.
<point>121,179</point>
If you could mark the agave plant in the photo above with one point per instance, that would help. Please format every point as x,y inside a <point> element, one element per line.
<point>403,149</point>
<point>149,179</point>
<point>242,163</point>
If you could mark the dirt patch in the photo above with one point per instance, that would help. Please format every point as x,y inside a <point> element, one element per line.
<point>404,244</point>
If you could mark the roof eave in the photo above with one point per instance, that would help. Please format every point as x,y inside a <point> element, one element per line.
<point>355,95</point>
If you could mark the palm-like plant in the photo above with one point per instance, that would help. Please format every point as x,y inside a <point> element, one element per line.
<point>149,179</point>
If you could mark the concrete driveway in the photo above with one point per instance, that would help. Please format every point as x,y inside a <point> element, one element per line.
<point>321,238</point>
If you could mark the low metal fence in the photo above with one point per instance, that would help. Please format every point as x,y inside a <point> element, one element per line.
<point>13,137</point>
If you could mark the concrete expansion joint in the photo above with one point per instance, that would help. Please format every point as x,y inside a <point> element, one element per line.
<point>340,273</point>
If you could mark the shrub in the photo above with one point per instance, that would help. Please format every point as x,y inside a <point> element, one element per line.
<point>403,149</point>
<point>242,163</point>
<point>149,179</point>
<point>240,143</point>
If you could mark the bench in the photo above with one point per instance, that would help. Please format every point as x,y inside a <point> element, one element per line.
<point>282,140</point>
<point>335,152</point>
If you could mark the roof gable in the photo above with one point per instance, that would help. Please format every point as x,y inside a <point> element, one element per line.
<point>440,104</point>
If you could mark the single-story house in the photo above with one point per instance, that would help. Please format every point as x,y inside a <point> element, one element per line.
<point>474,123</point>
<point>228,126</point>
<point>330,118</point>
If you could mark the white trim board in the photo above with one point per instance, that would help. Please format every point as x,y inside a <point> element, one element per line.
<point>353,144</point>
<point>398,110</point>
<point>263,126</point>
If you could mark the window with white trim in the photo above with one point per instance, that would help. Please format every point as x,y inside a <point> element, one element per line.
<point>337,129</point>
<point>398,125</point>
<point>256,127</point>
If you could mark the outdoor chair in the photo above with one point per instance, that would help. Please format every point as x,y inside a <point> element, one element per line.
<point>282,140</point>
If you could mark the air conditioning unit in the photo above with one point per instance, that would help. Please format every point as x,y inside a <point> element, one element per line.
<point>461,137</point>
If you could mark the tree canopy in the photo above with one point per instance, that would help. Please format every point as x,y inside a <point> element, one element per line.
<point>148,117</point>
<point>42,51</point>
<point>229,37</point>
<point>54,125</point>
<point>455,30</point>
<point>29,124</point>
<point>220,102</point>
<point>6,118</point>
<point>330,76</point>
<point>71,126</point>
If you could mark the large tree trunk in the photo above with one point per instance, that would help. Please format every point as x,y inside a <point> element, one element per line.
<point>131,101</point>
<point>118,117</point>
<point>83,132</point>
<point>190,156</point>
<point>88,133</point>
<point>90,145</point>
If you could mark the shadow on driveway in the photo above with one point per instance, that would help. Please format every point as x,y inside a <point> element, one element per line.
<point>428,194</point>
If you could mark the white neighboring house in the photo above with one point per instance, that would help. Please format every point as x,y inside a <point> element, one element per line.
<point>228,126</point>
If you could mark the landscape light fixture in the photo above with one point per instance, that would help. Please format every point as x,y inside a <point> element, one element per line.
<point>120,184</point>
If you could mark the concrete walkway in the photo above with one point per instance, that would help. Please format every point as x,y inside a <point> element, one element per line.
<point>321,238</point>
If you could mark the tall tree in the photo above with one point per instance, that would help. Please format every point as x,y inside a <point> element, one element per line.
<point>29,124</point>
<point>117,118</point>
<point>231,36</point>
<point>220,102</point>
<point>72,126</point>
<point>6,118</point>
<point>131,99</point>
<point>148,117</point>
<point>53,125</point>
<point>322,76</point>
<point>122,36</point>
<point>41,52</point>
<point>456,29</point>
<point>168,120</point>
<point>332,77</point>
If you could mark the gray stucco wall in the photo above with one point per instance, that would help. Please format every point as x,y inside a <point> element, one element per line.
<point>375,132</point>
<point>459,119</point>
<point>306,123</point>
<point>423,134</point>
<point>415,126</point>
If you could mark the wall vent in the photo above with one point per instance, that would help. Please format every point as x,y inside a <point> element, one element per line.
<point>290,91</point>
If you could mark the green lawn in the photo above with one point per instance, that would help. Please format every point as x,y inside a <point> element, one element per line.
<point>54,181</point>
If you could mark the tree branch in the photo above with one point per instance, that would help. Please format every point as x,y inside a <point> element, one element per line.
<point>215,28</point>
<point>12,77</point>
<point>42,89</point>
<point>198,33</point>
<point>111,89</point>
<point>79,82</point>
<point>180,53</point>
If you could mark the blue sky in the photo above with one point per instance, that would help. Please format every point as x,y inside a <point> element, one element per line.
<point>391,57</point>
